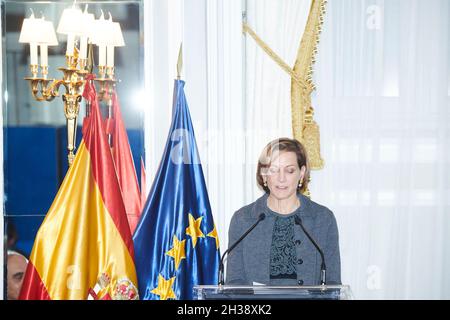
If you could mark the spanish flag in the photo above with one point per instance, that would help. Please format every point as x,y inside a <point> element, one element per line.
<point>123,160</point>
<point>84,248</point>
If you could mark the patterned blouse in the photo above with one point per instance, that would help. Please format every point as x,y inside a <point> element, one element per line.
<point>283,256</point>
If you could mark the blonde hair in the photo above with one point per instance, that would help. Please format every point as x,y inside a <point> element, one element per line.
<point>272,149</point>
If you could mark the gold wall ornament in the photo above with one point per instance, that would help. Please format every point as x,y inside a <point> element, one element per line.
<point>304,128</point>
<point>44,89</point>
<point>107,84</point>
<point>73,23</point>
<point>180,61</point>
<point>276,58</point>
<point>71,109</point>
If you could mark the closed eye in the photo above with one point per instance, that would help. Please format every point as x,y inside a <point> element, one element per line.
<point>274,170</point>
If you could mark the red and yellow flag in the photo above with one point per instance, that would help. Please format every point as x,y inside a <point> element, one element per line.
<point>126,172</point>
<point>84,248</point>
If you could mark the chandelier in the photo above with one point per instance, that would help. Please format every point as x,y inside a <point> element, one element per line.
<point>83,31</point>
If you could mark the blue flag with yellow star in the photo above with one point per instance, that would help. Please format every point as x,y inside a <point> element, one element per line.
<point>176,243</point>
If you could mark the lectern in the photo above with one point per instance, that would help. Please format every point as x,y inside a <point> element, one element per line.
<point>260,292</point>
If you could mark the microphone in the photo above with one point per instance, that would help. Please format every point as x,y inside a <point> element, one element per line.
<point>323,267</point>
<point>261,217</point>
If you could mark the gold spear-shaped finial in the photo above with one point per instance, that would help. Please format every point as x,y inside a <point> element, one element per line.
<point>180,61</point>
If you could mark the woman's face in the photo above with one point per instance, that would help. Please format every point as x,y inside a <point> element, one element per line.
<point>283,175</point>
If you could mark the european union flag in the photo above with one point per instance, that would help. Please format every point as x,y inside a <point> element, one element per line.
<point>176,242</point>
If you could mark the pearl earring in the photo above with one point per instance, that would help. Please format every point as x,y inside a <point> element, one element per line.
<point>265,183</point>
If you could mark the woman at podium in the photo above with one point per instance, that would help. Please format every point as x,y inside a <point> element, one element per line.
<point>289,232</point>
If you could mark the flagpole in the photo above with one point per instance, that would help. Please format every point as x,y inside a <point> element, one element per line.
<point>110,111</point>
<point>90,68</point>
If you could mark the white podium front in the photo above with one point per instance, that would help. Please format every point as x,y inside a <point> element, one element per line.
<point>212,292</point>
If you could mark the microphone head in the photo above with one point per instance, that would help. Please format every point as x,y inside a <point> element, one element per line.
<point>262,216</point>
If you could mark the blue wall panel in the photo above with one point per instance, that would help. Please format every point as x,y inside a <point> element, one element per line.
<point>36,163</point>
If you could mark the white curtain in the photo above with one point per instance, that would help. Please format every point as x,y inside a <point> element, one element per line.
<point>163,26</point>
<point>382,104</point>
<point>280,24</point>
<point>223,139</point>
<point>212,68</point>
<point>230,133</point>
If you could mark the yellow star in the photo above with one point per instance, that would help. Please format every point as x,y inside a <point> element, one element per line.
<point>164,288</point>
<point>194,229</point>
<point>177,252</point>
<point>213,234</point>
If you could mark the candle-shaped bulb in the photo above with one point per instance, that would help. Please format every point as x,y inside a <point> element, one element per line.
<point>83,47</point>
<point>70,44</point>
<point>110,56</point>
<point>44,55</point>
<point>102,55</point>
<point>86,31</point>
<point>33,53</point>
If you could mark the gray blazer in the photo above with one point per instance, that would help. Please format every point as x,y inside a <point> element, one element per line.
<point>249,261</point>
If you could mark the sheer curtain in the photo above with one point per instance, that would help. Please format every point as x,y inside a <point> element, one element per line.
<point>382,102</point>
<point>248,95</point>
<point>230,132</point>
<point>162,38</point>
<point>211,33</point>
<point>280,24</point>
<point>224,137</point>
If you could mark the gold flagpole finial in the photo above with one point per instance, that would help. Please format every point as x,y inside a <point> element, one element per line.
<point>180,61</point>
